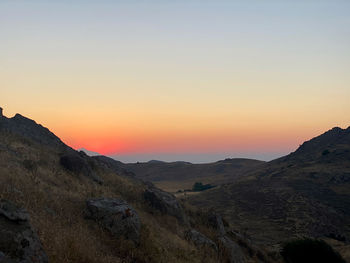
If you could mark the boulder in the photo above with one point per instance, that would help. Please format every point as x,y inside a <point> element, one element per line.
<point>18,240</point>
<point>199,239</point>
<point>165,202</point>
<point>78,164</point>
<point>232,249</point>
<point>119,218</point>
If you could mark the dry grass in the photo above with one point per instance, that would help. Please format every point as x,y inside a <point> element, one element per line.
<point>30,176</point>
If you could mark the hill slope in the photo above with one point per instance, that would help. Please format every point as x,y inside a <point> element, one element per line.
<point>304,193</point>
<point>72,200</point>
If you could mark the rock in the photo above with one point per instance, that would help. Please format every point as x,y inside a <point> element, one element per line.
<point>76,163</point>
<point>199,239</point>
<point>119,218</point>
<point>18,240</point>
<point>233,250</point>
<point>165,202</point>
<point>215,221</point>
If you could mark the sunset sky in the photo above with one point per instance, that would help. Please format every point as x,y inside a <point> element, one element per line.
<point>178,80</point>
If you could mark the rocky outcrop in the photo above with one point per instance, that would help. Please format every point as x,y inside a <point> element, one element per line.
<point>18,241</point>
<point>119,218</point>
<point>78,164</point>
<point>199,239</point>
<point>165,202</point>
<point>229,247</point>
<point>215,221</point>
<point>232,249</point>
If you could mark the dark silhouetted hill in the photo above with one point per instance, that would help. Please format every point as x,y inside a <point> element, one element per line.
<point>306,193</point>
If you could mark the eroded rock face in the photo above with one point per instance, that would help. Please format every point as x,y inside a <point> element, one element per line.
<point>18,240</point>
<point>165,203</point>
<point>199,239</point>
<point>233,250</point>
<point>116,216</point>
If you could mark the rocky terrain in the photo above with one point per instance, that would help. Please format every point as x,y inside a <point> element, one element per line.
<point>60,205</point>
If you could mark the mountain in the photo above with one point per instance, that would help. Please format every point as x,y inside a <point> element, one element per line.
<point>306,193</point>
<point>173,176</point>
<point>61,205</point>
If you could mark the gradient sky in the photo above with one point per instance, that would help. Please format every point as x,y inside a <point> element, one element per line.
<point>178,80</point>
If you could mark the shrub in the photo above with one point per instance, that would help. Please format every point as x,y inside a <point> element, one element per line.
<point>201,187</point>
<point>309,250</point>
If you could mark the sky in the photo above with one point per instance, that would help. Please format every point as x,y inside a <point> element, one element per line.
<point>178,80</point>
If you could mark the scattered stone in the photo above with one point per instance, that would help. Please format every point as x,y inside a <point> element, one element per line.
<point>18,240</point>
<point>165,203</point>
<point>116,216</point>
<point>199,239</point>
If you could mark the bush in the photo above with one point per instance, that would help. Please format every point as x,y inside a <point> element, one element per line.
<point>310,251</point>
<point>201,187</point>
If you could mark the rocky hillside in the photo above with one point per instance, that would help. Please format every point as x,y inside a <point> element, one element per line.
<point>60,205</point>
<point>306,193</point>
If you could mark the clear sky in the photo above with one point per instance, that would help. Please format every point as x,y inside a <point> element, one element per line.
<point>178,80</point>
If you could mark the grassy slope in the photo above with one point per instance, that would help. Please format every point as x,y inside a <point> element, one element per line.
<point>56,198</point>
<point>305,193</point>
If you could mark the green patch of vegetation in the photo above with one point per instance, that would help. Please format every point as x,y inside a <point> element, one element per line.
<point>198,186</point>
<point>309,250</point>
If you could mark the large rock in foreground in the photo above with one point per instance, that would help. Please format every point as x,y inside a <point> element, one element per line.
<point>165,203</point>
<point>116,216</point>
<point>18,240</point>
